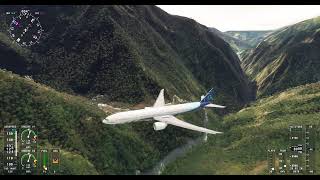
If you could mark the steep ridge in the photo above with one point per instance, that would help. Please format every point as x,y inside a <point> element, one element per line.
<point>286,58</point>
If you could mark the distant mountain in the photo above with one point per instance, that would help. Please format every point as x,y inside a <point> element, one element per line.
<point>250,37</point>
<point>241,41</point>
<point>127,53</point>
<point>238,45</point>
<point>286,58</point>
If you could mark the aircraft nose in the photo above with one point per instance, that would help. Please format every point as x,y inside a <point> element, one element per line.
<point>108,120</point>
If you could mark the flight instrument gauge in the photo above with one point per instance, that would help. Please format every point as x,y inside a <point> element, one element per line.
<point>28,161</point>
<point>28,136</point>
<point>25,29</point>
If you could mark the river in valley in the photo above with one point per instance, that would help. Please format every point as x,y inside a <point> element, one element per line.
<point>178,152</point>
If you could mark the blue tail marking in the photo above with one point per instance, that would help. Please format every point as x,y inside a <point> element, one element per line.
<point>207,98</point>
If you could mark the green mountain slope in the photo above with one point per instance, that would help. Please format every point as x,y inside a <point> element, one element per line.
<point>73,124</point>
<point>127,53</point>
<point>286,58</point>
<point>242,149</point>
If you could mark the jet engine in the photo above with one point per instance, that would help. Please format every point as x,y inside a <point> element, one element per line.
<point>157,126</point>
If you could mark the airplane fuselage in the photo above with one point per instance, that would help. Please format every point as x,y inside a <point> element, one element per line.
<point>150,112</point>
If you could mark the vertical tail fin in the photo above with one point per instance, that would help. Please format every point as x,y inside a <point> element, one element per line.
<point>207,98</point>
<point>206,101</point>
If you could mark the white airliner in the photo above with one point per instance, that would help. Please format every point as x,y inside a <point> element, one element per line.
<point>163,113</point>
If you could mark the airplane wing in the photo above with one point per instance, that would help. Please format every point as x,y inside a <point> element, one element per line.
<point>169,119</point>
<point>160,100</point>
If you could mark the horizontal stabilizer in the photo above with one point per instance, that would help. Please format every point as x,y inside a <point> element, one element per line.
<point>214,106</point>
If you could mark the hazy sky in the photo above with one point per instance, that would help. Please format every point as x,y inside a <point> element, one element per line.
<point>245,17</point>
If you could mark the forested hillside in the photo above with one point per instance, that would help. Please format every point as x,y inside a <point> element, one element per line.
<point>286,58</point>
<point>127,53</point>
